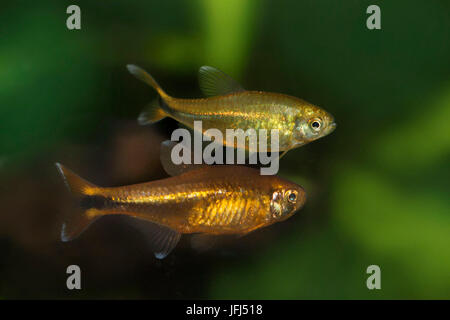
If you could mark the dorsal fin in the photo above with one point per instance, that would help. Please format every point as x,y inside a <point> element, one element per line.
<point>214,82</point>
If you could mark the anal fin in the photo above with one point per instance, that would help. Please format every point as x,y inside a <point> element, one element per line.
<point>161,239</point>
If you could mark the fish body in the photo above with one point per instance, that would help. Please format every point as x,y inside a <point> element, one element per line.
<point>245,110</point>
<point>210,200</point>
<point>229,106</point>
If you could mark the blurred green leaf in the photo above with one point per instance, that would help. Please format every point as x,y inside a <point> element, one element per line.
<point>412,229</point>
<point>421,140</point>
<point>228,30</point>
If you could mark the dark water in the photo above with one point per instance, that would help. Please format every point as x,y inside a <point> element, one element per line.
<point>377,187</point>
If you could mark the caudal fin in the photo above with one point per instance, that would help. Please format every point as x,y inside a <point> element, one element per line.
<point>153,112</point>
<point>81,216</point>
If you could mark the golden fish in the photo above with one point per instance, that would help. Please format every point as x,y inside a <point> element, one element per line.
<point>209,200</point>
<point>229,106</point>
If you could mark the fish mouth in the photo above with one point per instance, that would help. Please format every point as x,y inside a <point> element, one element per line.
<point>331,127</point>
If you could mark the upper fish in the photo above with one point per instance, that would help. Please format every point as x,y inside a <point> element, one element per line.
<point>229,106</point>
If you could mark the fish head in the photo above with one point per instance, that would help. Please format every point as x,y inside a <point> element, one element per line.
<point>286,199</point>
<point>312,123</point>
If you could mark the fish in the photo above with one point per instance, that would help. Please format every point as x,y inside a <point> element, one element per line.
<point>209,200</point>
<point>228,105</point>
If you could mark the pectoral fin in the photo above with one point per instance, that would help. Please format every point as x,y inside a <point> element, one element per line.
<point>282,154</point>
<point>214,82</point>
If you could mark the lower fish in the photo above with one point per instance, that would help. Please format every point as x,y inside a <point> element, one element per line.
<point>211,200</point>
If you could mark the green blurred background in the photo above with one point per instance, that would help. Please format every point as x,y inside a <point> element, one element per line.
<point>378,186</point>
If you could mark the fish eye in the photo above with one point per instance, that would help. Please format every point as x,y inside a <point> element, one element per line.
<point>292,196</point>
<point>315,124</point>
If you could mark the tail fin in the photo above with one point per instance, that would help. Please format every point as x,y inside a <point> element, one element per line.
<point>78,219</point>
<point>153,112</point>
